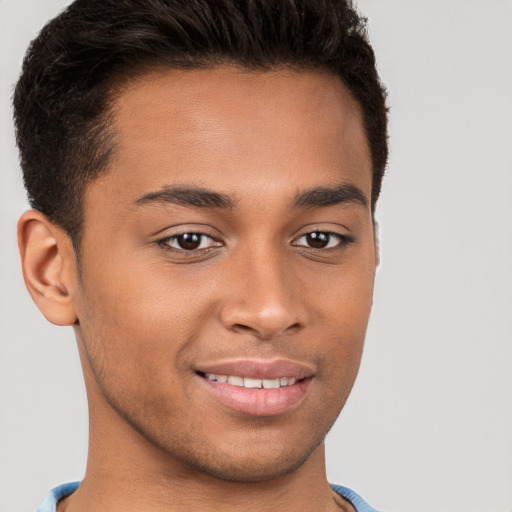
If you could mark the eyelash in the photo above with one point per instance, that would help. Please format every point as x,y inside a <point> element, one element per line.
<point>342,241</point>
<point>165,242</point>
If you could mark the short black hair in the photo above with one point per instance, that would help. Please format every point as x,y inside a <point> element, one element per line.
<point>62,101</point>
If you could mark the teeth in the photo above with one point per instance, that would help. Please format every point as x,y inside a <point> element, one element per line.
<point>271,384</point>
<point>252,383</point>
<point>247,382</point>
<point>235,381</point>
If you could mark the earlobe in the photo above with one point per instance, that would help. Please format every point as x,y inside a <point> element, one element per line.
<point>49,267</point>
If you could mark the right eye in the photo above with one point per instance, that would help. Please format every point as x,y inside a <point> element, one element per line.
<point>189,242</point>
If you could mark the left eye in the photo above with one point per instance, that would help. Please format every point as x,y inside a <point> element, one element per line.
<point>190,241</point>
<point>320,240</point>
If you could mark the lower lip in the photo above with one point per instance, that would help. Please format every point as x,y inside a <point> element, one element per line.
<point>259,402</point>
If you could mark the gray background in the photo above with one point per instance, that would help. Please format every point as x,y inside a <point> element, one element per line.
<point>429,424</point>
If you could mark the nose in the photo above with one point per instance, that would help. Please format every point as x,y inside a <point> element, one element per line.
<point>263,299</point>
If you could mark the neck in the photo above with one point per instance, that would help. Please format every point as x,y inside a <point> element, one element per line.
<point>178,489</point>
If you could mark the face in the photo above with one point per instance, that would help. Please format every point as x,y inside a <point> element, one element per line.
<point>227,267</point>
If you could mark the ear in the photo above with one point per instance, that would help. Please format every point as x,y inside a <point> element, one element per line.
<point>49,267</point>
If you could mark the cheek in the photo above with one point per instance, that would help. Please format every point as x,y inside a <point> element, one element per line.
<point>145,298</point>
<point>345,309</point>
<point>343,295</point>
<point>135,323</point>
<point>143,329</point>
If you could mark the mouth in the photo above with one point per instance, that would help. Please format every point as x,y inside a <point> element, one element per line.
<point>250,383</point>
<point>257,388</point>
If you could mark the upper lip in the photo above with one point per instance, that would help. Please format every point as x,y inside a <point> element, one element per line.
<point>258,368</point>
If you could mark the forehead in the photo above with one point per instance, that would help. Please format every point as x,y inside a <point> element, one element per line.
<point>227,126</point>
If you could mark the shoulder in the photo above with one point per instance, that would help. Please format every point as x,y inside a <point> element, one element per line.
<point>50,502</point>
<point>353,498</point>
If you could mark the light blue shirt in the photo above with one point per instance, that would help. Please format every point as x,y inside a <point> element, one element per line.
<point>50,502</point>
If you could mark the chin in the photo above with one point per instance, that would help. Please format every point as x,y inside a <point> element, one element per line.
<point>252,470</point>
<point>251,462</point>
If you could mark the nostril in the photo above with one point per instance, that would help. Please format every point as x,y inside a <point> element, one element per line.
<point>266,332</point>
<point>264,319</point>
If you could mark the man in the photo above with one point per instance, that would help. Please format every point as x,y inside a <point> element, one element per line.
<point>203,177</point>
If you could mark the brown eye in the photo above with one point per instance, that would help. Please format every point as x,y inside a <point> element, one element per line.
<point>190,241</point>
<point>322,240</point>
<point>318,240</point>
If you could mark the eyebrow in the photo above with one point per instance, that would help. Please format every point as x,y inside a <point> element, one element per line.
<point>187,196</point>
<point>330,196</point>
<point>318,197</point>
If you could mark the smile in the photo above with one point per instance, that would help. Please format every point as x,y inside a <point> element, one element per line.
<point>247,382</point>
<point>256,387</point>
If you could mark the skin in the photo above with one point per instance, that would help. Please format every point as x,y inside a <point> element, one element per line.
<point>146,313</point>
